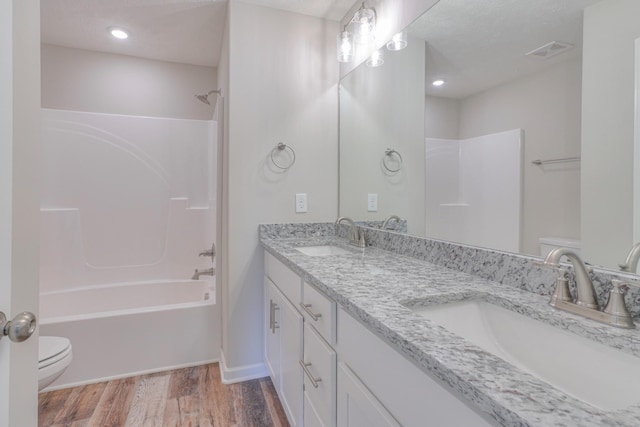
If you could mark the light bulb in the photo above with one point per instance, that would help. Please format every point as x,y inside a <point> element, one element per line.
<point>438,82</point>
<point>376,59</point>
<point>365,22</point>
<point>398,41</point>
<point>345,46</point>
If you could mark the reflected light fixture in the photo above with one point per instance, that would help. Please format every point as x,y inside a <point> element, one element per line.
<point>376,59</point>
<point>118,33</point>
<point>360,29</point>
<point>438,82</point>
<point>345,46</point>
<point>398,41</point>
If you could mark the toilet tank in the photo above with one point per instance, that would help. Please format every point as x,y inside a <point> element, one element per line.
<point>547,244</point>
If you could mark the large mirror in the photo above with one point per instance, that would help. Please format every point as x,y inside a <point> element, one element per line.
<point>529,136</point>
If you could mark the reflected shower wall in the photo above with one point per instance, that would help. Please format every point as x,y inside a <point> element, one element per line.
<point>124,198</point>
<point>474,190</point>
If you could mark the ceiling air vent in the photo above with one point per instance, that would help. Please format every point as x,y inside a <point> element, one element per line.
<point>550,49</point>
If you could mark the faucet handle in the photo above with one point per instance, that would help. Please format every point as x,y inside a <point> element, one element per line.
<point>616,306</point>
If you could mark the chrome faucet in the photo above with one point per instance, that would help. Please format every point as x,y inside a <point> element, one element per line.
<point>207,272</point>
<point>356,237</point>
<point>585,304</point>
<point>631,264</point>
<point>388,219</point>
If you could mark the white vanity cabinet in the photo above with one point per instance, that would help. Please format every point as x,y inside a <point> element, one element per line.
<point>320,358</point>
<point>299,333</point>
<point>283,337</point>
<point>330,370</point>
<point>375,382</point>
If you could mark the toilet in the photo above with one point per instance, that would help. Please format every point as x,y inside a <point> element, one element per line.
<point>547,244</point>
<point>54,356</point>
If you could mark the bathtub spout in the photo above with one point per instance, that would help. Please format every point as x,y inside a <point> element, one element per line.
<point>207,272</point>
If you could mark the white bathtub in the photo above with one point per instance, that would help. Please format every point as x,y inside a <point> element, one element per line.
<point>128,329</point>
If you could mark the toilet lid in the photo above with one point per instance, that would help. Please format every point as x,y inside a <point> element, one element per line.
<point>51,348</point>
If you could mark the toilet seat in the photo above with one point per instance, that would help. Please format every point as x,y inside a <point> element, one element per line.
<point>52,350</point>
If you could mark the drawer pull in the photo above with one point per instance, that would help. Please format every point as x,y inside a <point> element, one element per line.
<point>305,367</point>
<point>307,308</point>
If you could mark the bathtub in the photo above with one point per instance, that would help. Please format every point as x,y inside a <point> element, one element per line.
<point>126,329</point>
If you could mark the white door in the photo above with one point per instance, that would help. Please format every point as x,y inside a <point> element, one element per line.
<point>19,203</point>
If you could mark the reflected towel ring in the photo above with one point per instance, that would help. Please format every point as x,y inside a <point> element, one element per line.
<point>279,148</point>
<point>389,153</point>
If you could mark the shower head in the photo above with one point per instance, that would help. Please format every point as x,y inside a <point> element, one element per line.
<point>205,97</point>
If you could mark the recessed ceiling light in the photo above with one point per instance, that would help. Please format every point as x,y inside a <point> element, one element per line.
<point>118,33</point>
<point>438,82</point>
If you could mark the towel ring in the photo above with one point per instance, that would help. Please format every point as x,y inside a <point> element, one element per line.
<point>282,147</point>
<point>389,153</point>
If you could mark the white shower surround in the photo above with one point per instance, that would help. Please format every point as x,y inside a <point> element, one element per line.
<point>124,198</point>
<point>474,190</point>
<point>128,203</point>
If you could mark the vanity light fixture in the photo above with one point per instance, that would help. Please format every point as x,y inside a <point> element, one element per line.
<point>360,29</point>
<point>438,82</point>
<point>118,33</point>
<point>345,46</point>
<point>365,23</point>
<point>398,41</point>
<point>376,59</point>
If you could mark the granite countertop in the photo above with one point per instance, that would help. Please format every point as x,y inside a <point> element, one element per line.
<point>377,286</point>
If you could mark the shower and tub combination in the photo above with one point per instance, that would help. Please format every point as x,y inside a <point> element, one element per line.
<point>128,206</point>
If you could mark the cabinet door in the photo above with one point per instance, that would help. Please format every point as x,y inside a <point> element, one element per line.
<point>357,407</point>
<point>290,354</point>
<point>272,332</point>
<point>320,376</point>
<point>311,416</point>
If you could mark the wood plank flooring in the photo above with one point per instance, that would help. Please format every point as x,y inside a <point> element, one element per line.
<point>189,397</point>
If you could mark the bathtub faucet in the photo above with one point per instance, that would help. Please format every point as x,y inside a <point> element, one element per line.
<point>207,272</point>
<point>210,252</point>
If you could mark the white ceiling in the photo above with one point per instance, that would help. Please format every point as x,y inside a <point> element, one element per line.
<point>479,44</point>
<point>184,31</point>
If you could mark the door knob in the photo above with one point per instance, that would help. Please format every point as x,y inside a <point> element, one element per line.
<point>20,328</point>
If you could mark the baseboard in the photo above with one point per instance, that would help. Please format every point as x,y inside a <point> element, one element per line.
<point>242,373</point>
<point>129,374</point>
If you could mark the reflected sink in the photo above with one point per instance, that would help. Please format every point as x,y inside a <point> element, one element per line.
<point>594,373</point>
<point>323,250</point>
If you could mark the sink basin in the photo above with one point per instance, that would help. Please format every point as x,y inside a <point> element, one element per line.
<point>323,250</point>
<point>594,373</point>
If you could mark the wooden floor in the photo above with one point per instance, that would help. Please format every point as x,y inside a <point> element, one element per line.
<point>184,397</point>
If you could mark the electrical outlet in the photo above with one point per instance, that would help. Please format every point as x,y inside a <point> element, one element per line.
<point>372,202</point>
<point>301,202</point>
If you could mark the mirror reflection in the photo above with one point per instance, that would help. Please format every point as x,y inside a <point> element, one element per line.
<point>508,133</point>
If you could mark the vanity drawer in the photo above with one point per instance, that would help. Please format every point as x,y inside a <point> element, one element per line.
<point>319,311</point>
<point>286,280</point>
<point>319,363</point>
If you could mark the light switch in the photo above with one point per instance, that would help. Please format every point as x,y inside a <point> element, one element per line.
<point>301,202</point>
<point>372,202</point>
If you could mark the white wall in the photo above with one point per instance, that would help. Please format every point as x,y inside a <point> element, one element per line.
<point>441,117</point>
<point>379,111</point>
<point>282,87</point>
<point>546,105</point>
<point>610,30</point>
<point>82,80</point>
